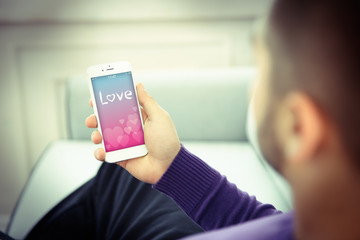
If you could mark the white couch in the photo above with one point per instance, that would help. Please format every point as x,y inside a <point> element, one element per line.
<point>209,108</point>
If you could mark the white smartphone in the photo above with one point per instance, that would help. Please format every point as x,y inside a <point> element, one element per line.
<point>117,110</point>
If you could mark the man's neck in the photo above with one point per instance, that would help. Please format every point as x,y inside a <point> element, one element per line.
<point>328,206</point>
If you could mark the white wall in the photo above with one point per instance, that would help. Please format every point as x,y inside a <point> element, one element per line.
<point>43,42</point>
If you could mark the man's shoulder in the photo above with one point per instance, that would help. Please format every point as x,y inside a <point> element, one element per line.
<point>279,227</point>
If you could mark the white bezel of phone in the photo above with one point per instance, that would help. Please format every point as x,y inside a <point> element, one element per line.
<point>108,69</point>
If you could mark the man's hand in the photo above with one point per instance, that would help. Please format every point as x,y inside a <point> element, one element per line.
<point>160,136</point>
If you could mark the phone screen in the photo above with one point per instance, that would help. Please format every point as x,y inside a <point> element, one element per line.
<point>118,111</point>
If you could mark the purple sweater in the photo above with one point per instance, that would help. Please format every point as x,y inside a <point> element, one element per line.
<point>218,206</point>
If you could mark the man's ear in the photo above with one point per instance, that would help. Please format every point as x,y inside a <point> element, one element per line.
<point>302,127</point>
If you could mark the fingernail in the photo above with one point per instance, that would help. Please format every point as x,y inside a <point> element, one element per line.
<point>141,86</point>
<point>96,154</point>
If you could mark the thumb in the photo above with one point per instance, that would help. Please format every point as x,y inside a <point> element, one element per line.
<point>146,101</point>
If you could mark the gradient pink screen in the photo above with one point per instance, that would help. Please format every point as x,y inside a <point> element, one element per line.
<point>118,111</point>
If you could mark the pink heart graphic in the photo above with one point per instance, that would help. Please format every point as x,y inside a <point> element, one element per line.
<point>133,126</point>
<point>121,121</point>
<point>135,109</point>
<point>110,97</point>
<point>123,140</point>
<point>127,130</point>
<point>138,136</point>
<point>110,136</point>
<point>133,116</point>
<point>134,122</point>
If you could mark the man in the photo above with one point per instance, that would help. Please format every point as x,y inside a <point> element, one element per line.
<point>307,116</point>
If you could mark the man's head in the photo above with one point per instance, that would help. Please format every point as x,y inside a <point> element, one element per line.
<point>309,89</point>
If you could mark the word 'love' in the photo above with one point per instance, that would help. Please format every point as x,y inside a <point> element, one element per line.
<point>111,97</point>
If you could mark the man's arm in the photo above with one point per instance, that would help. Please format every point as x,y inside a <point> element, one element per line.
<point>206,196</point>
<point>201,191</point>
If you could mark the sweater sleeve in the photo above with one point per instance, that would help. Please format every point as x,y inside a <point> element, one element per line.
<point>206,196</point>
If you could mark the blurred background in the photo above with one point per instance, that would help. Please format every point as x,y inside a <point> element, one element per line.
<point>43,43</point>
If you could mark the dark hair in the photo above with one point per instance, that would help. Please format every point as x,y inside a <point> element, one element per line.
<point>320,39</point>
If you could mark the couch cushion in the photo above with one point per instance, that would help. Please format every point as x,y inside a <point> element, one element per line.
<point>65,165</point>
<point>204,104</point>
